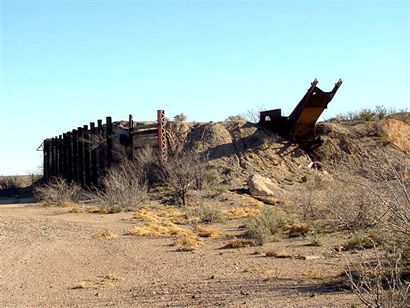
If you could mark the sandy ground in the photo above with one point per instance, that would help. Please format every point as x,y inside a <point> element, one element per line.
<point>50,257</point>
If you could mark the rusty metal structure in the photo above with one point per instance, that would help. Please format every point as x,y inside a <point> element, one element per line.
<point>84,154</point>
<point>299,126</point>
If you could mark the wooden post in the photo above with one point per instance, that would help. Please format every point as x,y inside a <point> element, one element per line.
<point>94,157</point>
<point>75,155</point>
<point>108,130</point>
<point>80,156</point>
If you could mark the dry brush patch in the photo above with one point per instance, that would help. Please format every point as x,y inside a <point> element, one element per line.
<point>58,192</point>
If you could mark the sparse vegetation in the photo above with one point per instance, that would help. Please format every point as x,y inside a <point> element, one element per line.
<point>9,185</point>
<point>367,114</point>
<point>187,241</point>
<point>266,225</point>
<point>238,243</point>
<point>206,213</point>
<point>180,117</point>
<point>187,171</point>
<point>124,186</point>
<point>58,192</point>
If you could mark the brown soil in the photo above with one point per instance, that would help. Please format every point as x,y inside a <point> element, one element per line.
<point>51,257</point>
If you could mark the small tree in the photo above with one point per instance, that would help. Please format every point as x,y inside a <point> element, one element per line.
<point>184,172</point>
<point>180,117</point>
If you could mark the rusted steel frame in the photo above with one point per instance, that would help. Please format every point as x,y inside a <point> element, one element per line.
<point>130,137</point>
<point>301,105</point>
<point>162,141</point>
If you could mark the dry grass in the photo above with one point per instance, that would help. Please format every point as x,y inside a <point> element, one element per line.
<point>157,229</point>
<point>102,282</point>
<point>97,210</point>
<point>206,232</point>
<point>106,234</point>
<point>187,241</point>
<point>281,254</point>
<point>298,229</point>
<point>242,212</point>
<point>238,243</point>
<point>82,285</point>
<point>271,272</point>
<point>205,213</point>
<point>58,191</point>
<point>164,214</point>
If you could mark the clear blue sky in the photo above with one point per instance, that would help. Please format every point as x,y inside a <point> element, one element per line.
<point>66,63</point>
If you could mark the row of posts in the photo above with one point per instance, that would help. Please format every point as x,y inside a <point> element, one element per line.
<point>80,155</point>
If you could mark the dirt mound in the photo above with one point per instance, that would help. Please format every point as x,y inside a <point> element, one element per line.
<point>238,149</point>
<point>398,132</point>
<point>401,116</point>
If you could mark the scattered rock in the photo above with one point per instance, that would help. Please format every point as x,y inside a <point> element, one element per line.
<point>262,186</point>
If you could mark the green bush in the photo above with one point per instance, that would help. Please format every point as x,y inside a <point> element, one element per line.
<point>265,226</point>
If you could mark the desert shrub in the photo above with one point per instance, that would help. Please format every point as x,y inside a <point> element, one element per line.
<point>206,213</point>
<point>350,206</point>
<point>10,185</point>
<point>180,117</point>
<point>379,281</point>
<point>211,179</point>
<point>314,239</point>
<point>124,185</point>
<point>265,226</point>
<point>149,166</point>
<point>58,192</point>
<point>366,114</point>
<point>359,240</point>
<point>235,118</point>
<point>184,172</point>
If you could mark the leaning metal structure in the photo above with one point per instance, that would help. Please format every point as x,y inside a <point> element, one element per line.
<point>299,126</point>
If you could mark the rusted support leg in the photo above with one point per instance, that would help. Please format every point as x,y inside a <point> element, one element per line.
<point>162,136</point>
<point>130,137</point>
